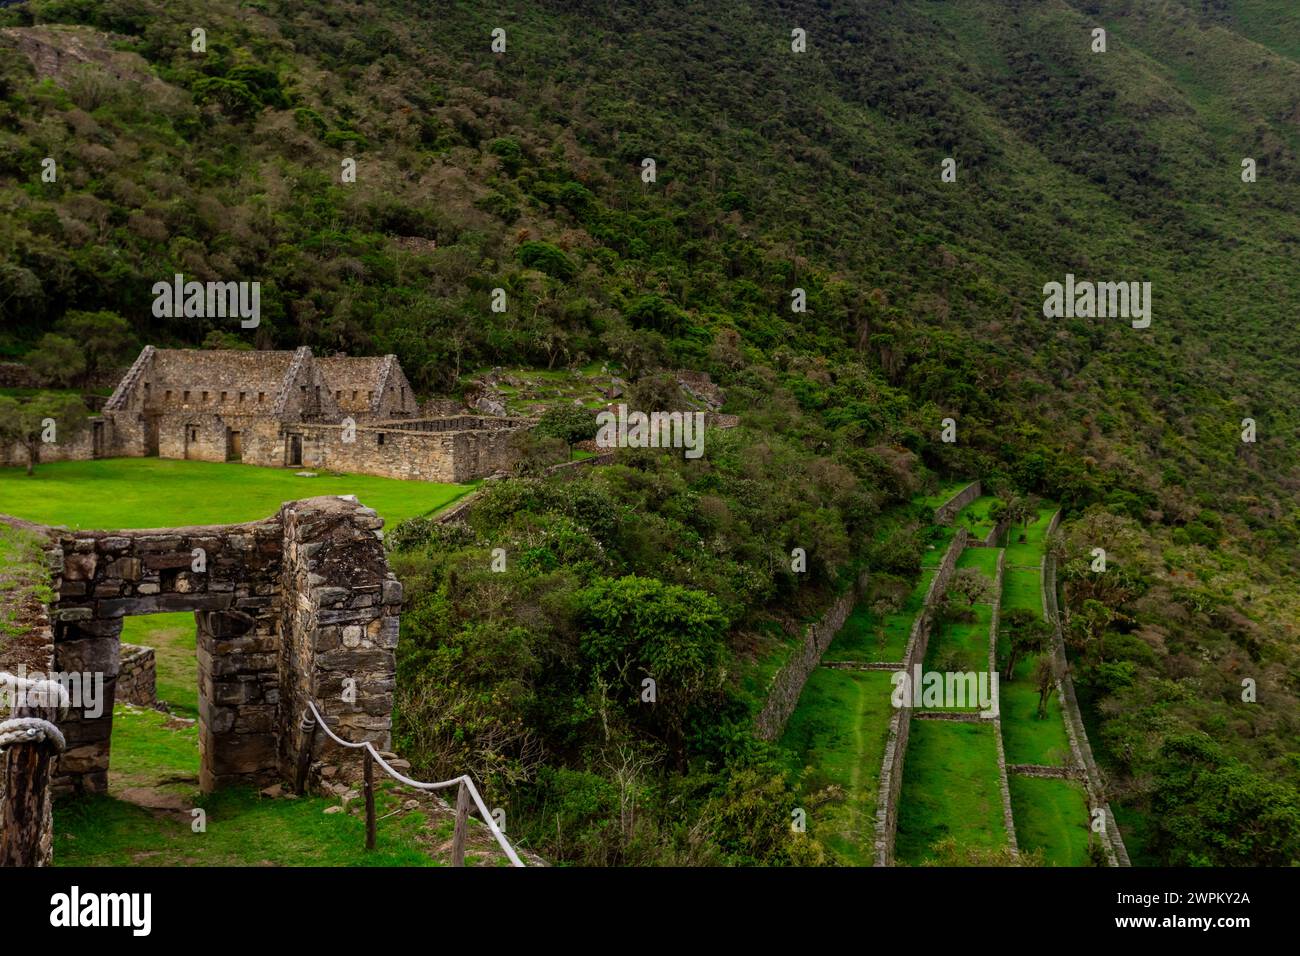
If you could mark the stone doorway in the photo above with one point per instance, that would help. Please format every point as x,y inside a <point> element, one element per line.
<point>234,445</point>
<point>298,607</point>
<point>295,451</point>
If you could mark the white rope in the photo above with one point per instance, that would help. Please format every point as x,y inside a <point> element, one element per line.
<point>21,691</point>
<point>27,730</point>
<point>42,693</point>
<point>419,785</point>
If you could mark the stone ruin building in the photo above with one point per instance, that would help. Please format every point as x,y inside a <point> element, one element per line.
<point>298,607</point>
<point>286,409</point>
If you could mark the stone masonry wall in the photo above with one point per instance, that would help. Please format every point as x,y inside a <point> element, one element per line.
<point>948,510</point>
<point>342,631</point>
<point>1094,782</point>
<point>33,652</point>
<point>787,684</point>
<point>295,607</point>
<point>137,679</point>
<point>900,723</point>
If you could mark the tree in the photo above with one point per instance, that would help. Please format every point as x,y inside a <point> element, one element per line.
<point>1021,509</point>
<point>1045,677</point>
<point>569,423</point>
<point>104,336</point>
<point>1088,627</point>
<point>46,418</point>
<point>220,339</point>
<point>1026,632</point>
<point>639,628</point>
<point>57,360</point>
<point>972,584</point>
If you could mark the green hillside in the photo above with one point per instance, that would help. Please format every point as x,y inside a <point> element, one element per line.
<point>774,171</point>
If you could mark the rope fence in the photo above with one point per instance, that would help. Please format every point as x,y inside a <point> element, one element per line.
<point>467,791</point>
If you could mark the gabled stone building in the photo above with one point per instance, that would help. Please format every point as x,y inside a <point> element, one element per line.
<point>287,409</point>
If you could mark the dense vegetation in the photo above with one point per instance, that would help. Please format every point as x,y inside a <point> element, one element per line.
<point>774,171</point>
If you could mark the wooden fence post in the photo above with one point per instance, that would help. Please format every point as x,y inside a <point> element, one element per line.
<point>26,806</point>
<point>370,800</point>
<point>462,825</point>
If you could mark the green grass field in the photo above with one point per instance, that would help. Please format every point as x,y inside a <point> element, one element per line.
<point>839,731</point>
<point>1021,588</point>
<point>1026,738</point>
<point>1028,552</point>
<point>859,638</point>
<point>950,789</point>
<point>975,517</point>
<point>172,636</point>
<point>985,559</point>
<point>1052,816</point>
<point>940,538</point>
<point>114,493</point>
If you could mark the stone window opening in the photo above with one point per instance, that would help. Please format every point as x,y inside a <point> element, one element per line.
<point>354,395</point>
<point>167,395</point>
<point>381,438</point>
<point>186,397</point>
<point>261,397</point>
<point>225,397</point>
<point>205,398</point>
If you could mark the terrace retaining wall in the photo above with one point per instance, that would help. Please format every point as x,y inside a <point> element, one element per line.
<point>948,510</point>
<point>1093,781</point>
<point>787,684</point>
<point>900,724</point>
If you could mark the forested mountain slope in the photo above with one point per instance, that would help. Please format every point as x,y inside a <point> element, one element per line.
<point>775,170</point>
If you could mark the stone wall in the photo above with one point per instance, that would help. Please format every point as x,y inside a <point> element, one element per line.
<point>300,606</point>
<point>137,677</point>
<point>342,632</point>
<point>783,693</point>
<point>17,375</point>
<point>1008,819</point>
<point>900,723</point>
<point>1094,782</point>
<point>948,510</point>
<point>29,653</point>
<point>452,457</point>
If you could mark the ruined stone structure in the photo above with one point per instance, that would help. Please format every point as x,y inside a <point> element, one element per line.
<point>300,606</point>
<point>285,409</point>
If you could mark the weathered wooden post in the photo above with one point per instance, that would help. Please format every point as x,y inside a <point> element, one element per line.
<point>462,825</point>
<point>370,800</point>
<point>29,741</point>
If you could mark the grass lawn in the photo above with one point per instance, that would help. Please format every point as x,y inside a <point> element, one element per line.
<point>975,517</point>
<point>1029,552</point>
<point>23,578</point>
<point>950,789</point>
<point>961,645</point>
<point>114,493</point>
<point>1026,738</point>
<point>839,730</point>
<point>986,559</point>
<point>1021,588</point>
<point>1051,815</point>
<point>859,638</point>
<point>243,829</point>
<point>940,538</point>
<point>172,636</point>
